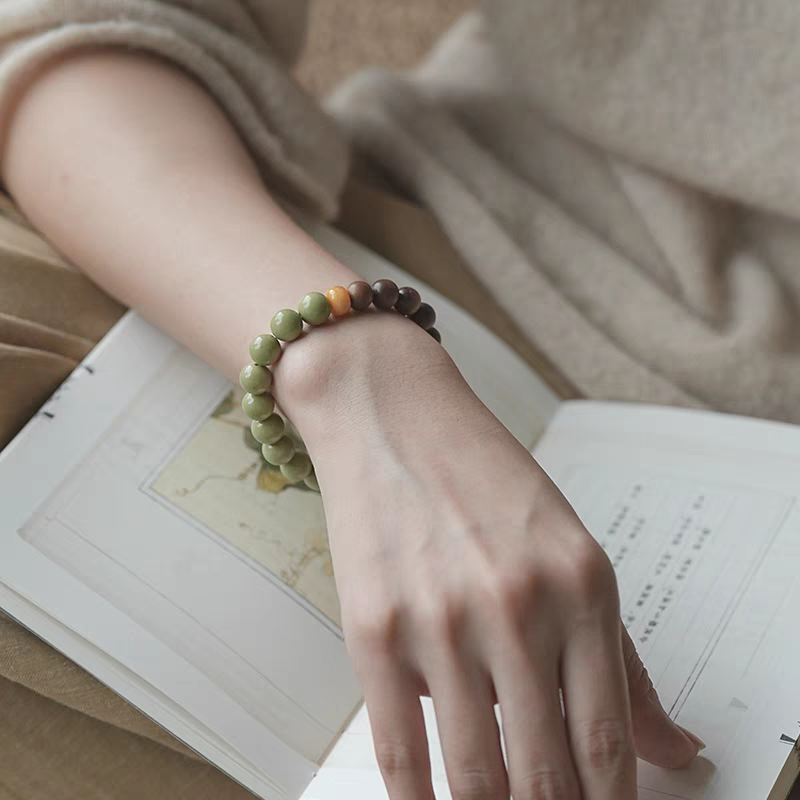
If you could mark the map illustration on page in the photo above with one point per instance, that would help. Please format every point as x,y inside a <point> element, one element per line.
<point>219,479</point>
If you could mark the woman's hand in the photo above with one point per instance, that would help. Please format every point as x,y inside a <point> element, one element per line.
<point>462,571</point>
<point>464,574</point>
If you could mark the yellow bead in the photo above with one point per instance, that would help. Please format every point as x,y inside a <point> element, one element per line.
<point>339,298</point>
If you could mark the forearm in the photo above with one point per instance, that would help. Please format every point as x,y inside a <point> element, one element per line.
<point>133,172</point>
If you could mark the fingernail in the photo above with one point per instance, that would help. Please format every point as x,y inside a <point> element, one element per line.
<point>695,740</point>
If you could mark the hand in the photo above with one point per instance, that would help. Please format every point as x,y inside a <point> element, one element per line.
<point>464,574</point>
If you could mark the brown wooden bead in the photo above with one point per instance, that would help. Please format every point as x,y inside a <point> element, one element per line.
<point>425,316</point>
<point>339,298</point>
<point>436,335</point>
<point>384,294</point>
<point>360,295</point>
<point>408,302</point>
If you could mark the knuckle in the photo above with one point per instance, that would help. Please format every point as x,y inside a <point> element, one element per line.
<point>607,743</point>
<point>523,588</point>
<point>374,629</point>
<point>397,760</point>
<point>544,784</point>
<point>592,576</point>
<point>440,618</point>
<point>477,783</point>
<point>513,594</point>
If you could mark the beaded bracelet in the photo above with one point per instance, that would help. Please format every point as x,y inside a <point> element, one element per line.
<point>268,427</point>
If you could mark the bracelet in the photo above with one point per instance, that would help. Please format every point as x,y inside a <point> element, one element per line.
<point>269,427</point>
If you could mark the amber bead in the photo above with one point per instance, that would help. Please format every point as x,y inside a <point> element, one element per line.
<point>360,295</point>
<point>425,316</point>
<point>408,301</point>
<point>339,298</point>
<point>436,335</point>
<point>384,294</point>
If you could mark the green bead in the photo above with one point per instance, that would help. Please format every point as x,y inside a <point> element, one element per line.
<point>280,452</point>
<point>258,406</point>
<point>265,350</point>
<point>287,325</point>
<point>298,469</point>
<point>255,379</point>
<point>250,440</point>
<point>314,308</point>
<point>311,481</point>
<point>269,430</point>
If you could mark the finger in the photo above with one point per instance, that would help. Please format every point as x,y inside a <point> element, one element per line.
<point>539,761</point>
<point>597,709</point>
<point>658,739</point>
<point>468,732</point>
<point>398,730</point>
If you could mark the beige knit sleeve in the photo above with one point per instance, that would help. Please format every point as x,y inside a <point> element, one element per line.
<point>240,50</point>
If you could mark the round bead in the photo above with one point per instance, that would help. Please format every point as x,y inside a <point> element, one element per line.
<point>258,406</point>
<point>311,481</point>
<point>287,325</point>
<point>385,294</point>
<point>268,430</point>
<point>436,335</point>
<point>408,301</point>
<point>255,379</point>
<point>280,452</point>
<point>265,350</point>
<point>360,295</point>
<point>339,298</point>
<point>298,469</point>
<point>314,308</point>
<point>250,440</point>
<point>425,316</point>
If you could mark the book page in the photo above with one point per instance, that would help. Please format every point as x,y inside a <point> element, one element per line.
<point>137,513</point>
<point>700,515</point>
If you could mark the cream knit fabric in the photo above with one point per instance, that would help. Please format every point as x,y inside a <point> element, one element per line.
<point>623,176</point>
<point>625,179</point>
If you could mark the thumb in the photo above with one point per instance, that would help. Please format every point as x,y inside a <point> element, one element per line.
<point>658,739</point>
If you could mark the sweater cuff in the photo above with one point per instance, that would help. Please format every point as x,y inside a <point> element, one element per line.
<point>302,155</point>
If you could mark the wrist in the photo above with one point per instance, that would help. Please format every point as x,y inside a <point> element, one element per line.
<point>346,372</point>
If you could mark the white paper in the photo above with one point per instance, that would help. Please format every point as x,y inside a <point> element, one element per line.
<point>108,547</point>
<point>700,514</point>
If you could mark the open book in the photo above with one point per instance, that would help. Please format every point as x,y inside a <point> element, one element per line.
<point>142,536</point>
